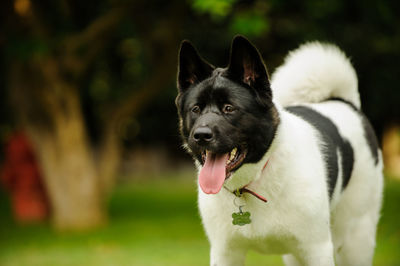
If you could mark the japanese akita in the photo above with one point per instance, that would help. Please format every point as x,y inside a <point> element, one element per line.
<point>289,165</point>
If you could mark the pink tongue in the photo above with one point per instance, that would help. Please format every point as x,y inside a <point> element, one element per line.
<point>212,175</point>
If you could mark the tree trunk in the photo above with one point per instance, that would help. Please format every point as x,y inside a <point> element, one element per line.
<point>109,159</point>
<point>70,174</point>
<point>55,125</point>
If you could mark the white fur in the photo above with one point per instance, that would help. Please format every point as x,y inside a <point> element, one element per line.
<point>299,221</point>
<point>315,72</point>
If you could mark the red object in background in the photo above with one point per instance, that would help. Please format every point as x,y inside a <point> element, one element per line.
<point>21,177</point>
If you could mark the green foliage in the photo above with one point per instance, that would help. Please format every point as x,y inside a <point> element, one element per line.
<point>24,48</point>
<point>216,8</point>
<point>250,23</point>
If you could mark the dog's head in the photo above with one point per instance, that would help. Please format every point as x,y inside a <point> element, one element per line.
<point>227,118</point>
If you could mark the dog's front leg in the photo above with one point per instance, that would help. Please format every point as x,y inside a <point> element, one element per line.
<point>223,255</point>
<point>318,254</point>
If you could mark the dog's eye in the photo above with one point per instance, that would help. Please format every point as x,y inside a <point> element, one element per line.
<point>196,109</point>
<point>228,108</point>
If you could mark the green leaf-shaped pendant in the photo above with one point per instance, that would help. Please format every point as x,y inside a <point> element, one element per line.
<point>241,218</point>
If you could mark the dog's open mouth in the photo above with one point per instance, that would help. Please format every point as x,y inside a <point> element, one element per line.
<point>235,159</point>
<point>218,167</point>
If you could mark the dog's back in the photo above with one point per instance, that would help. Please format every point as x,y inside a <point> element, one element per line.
<point>318,84</point>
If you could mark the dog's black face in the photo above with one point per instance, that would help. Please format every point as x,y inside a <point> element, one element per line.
<point>227,117</point>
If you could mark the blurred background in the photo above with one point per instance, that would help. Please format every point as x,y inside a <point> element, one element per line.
<point>92,169</point>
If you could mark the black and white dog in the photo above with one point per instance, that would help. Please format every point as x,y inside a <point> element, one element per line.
<point>289,166</point>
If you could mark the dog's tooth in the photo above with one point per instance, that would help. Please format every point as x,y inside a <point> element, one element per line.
<point>232,156</point>
<point>233,153</point>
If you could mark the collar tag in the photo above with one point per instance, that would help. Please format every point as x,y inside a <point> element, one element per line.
<point>241,218</point>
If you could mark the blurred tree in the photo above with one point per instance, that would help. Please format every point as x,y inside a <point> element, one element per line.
<point>51,49</point>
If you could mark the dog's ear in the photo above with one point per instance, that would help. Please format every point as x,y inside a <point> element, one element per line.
<point>247,66</point>
<point>192,68</point>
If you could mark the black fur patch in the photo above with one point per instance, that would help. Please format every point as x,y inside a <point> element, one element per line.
<point>204,91</point>
<point>332,141</point>
<point>369,132</point>
<point>252,125</point>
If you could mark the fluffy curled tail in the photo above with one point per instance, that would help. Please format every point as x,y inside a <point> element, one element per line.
<point>313,73</point>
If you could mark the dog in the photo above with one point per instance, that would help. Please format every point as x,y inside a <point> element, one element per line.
<point>286,166</point>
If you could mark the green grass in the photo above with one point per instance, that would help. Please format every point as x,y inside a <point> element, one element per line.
<point>154,222</point>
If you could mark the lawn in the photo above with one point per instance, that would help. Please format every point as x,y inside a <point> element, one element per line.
<point>154,221</point>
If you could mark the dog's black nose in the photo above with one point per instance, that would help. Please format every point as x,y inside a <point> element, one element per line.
<point>203,135</point>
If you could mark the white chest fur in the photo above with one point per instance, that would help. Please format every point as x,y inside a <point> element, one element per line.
<point>292,193</point>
